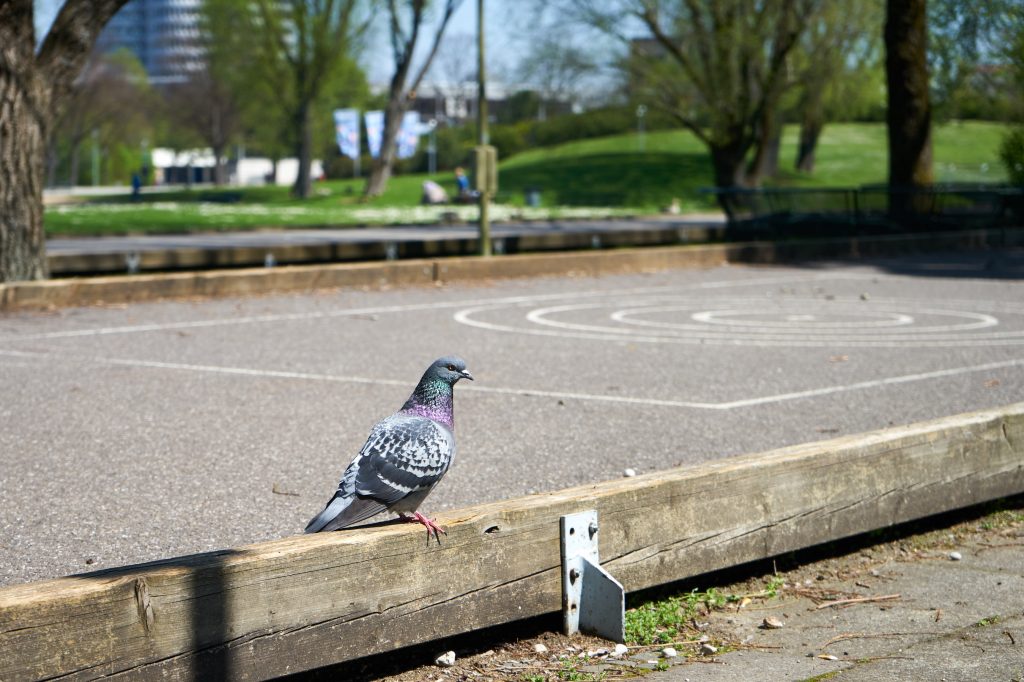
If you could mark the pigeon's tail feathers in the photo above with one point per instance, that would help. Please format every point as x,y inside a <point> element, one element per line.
<point>342,512</point>
<point>334,507</point>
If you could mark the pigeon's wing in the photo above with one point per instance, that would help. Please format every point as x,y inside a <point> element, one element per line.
<point>409,454</point>
<point>403,455</point>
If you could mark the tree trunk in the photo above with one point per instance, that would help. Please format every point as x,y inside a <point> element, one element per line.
<point>380,172</point>
<point>52,160</point>
<point>728,164</point>
<point>807,144</point>
<point>303,187</point>
<point>73,164</point>
<point>765,163</point>
<point>219,166</point>
<point>33,85</point>
<point>24,106</point>
<point>909,113</point>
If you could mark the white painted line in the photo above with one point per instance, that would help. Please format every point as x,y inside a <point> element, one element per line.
<point>875,383</point>
<point>435,305</point>
<point>524,392</point>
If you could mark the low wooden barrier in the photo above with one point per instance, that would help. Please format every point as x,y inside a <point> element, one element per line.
<point>301,602</point>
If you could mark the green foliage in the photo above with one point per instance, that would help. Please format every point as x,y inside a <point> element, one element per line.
<point>521,106</point>
<point>1011,153</point>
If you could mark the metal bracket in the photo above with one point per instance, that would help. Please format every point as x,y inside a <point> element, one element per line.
<point>592,600</point>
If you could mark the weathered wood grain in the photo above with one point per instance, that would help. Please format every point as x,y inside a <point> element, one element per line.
<point>279,607</point>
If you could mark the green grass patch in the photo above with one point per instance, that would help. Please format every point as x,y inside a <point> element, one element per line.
<point>666,620</point>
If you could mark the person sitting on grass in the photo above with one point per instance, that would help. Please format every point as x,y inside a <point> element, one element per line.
<point>463,194</point>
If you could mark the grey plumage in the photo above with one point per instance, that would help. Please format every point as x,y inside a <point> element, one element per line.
<point>404,457</point>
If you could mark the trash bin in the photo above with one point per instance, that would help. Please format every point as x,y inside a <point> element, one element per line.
<point>531,196</point>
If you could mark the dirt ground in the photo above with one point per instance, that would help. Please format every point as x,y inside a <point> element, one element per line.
<point>842,609</point>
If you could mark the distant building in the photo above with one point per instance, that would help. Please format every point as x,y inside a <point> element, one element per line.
<point>163,34</point>
<point>456,103</point>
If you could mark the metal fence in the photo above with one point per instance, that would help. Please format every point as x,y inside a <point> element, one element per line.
<point>871,209</point>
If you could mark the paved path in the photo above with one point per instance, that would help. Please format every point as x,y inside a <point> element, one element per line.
<point>939,619</point>
<point>133,433</point>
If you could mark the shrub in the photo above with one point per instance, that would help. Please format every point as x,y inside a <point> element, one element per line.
<point>1011,152</point>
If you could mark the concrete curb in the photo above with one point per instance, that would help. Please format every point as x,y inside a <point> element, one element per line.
<point>179,258</point>
<point>84,291</point>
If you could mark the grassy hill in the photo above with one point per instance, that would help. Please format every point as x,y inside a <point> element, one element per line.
<point>611,172</point>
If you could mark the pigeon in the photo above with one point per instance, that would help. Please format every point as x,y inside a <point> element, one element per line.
<point>404,457</point>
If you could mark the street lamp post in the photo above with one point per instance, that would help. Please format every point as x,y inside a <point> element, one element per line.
<point>432,147</point>
<point>641,111</point>
<point>95,157</point>
<point>482,135</point>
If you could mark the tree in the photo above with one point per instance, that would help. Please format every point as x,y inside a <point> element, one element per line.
<point>718,67</point>
<point>453,76</point>
<point>965,54</point>
<point>306,47</point>
<point>405,22</point>
<point>108,99</point>
<point>207,106</point>
<point>838,59</point>
<point>556,67</point>
<point>279,59</point>
<point>909,113</point>
<point>34,86</point>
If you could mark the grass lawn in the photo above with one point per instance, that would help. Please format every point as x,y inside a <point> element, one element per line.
<point>611,173</point>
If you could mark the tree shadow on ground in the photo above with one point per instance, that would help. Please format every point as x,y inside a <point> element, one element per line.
<point>997,264</point>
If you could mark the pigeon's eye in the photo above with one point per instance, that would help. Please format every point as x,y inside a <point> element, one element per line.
<point>451,368</point>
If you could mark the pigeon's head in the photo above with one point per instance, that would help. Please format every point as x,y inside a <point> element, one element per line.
<point>449,369</point>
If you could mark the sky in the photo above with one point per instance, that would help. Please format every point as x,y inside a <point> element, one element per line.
<point>510,26</point>
<point>497,27</point>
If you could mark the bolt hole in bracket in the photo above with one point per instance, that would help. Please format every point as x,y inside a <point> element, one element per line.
<point>592,600</point>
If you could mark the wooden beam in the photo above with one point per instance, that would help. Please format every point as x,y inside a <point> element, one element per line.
<point>301,602</point>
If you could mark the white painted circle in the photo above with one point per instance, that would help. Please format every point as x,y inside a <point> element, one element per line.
<point>761,321</point>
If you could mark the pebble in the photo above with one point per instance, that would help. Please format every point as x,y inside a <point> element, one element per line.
<point>446,660</point>
<point>620,650</point>
<point>629,473</point>
<point>708,649</point>
<point>772,623</point>
<point>955,556</point>
<point>669,652</point>
<point>540,648</point>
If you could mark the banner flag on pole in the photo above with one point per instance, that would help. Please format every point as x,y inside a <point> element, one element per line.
<point>374,131</point>
<point>409,135</point>
<point>346,129</point>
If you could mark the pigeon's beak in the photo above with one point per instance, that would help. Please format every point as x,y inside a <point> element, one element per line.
<point>466,375</point>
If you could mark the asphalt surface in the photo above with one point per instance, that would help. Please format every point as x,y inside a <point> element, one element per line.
<point>133,433</point>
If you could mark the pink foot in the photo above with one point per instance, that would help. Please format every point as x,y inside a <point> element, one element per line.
<point>432,528</point>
